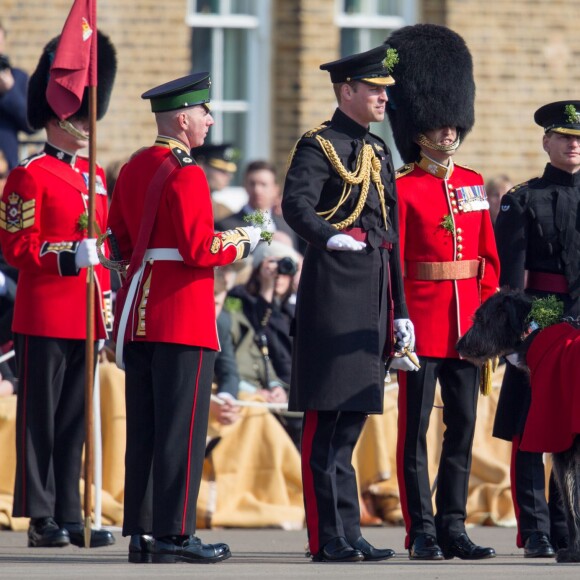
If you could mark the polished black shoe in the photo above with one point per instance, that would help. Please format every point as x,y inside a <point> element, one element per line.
<point>370,553</point>
<point>462,547</point>
<point>538,546</point>
<point>170,549</point>
<point>425,547</point>
<point>338,550</point>
<point>99,538</point>
<point>141,549</point>
<point>45,533</point>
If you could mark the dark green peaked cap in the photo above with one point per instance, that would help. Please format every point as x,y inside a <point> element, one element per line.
<point>184,92</point>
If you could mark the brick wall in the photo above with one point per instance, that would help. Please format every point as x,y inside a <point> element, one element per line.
<point>525,54</point>
<point>304,36</point>
<point>153,46</point>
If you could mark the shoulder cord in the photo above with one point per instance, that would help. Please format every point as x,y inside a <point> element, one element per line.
<point>368,168</point>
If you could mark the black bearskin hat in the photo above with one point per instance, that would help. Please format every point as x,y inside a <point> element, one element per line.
<point>434,85</point>
<point>40,112</point>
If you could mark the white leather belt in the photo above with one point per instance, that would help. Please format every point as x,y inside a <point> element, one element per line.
<point>167,254</point>
<point>153,254</point>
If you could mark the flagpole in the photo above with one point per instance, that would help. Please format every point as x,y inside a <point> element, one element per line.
<point>90,340</point>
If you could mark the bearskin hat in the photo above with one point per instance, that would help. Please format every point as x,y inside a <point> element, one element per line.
<point>40,112</point>
<point>434,85</point>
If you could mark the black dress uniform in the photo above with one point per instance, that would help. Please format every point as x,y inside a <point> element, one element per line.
<point>538,242</point>
<point>341,312</point>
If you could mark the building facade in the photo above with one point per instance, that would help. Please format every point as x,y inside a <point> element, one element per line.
<point>264,57</point>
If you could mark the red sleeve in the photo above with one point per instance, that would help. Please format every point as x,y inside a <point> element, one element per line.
<point>488,251</point>
<point>188,196</point>
<point>20,224</point>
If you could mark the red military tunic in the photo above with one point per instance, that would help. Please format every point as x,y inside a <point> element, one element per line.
<point>431,197</point>
<point>41,205</point>
<point>174,302</point>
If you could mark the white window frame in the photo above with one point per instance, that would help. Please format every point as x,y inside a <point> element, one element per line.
<point>258,105</point>
<point>368,20</point>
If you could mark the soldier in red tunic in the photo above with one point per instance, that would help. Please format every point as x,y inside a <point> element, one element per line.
<point>451,265</point>
<point>43,219</point>
<point>167,337</point>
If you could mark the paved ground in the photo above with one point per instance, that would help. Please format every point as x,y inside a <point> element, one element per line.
<point>273,554</point>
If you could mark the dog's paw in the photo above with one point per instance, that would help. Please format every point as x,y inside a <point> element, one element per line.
<point>566,555</point>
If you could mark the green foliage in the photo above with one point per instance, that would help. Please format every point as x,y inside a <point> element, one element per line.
<point>447,224</point>
<point>546,311</point>
<point>233,304</point>
<point>83,222</point>
<point>571,114</point>
<point>391,59</point>
<point>260,220</point>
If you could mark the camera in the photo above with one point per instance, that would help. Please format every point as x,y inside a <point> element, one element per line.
<point>287,266</point>
<point>4,62</point>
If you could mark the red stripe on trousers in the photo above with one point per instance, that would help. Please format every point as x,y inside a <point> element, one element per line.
<point>191,426</point>
<point>24,384</point>
<point>310,503</point>
<point>515,448</point>
<point>401,436</point>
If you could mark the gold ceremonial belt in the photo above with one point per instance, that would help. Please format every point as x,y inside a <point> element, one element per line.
<point>442,270</point>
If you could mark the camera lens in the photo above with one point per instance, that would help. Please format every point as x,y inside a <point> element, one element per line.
<point>287,266</point>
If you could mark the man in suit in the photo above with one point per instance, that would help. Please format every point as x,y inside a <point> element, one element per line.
<point>263,195</point>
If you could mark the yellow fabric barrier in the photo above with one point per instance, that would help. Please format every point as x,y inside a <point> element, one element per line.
<point>252,477</point>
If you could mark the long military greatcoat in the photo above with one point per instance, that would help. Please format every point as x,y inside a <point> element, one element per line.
<point>341,322</point>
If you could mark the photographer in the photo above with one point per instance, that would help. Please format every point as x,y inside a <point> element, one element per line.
<point>13,87</point>
<point>266,303</point>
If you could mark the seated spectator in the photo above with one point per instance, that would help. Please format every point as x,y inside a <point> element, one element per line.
<point>496,188</point>
<point>227,377</point>
<point>8,382</point>
<point>263,195</point>
<point>261,312</point>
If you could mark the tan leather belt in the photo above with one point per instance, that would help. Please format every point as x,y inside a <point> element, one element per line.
<point>442,270</point>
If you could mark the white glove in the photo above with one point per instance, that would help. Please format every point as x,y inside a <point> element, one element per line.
<point>404,332</point>
<point>254,233</point>
<point>403,363</point>
<point>86,254</point>
<point>3,288</point>
<point>344,243</point>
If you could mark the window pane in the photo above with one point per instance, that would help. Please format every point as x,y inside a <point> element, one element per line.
<point>352,6</point>
<point>235,65</point>
<point>349,41</point>
<point>379,35</point>
<point>207,6</point>
<point>390,7</point>
<point>244,7</point>
<point>201,49</point>
<point>233,126</point>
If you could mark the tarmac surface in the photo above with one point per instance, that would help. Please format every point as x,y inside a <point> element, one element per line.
<point>276,555</point>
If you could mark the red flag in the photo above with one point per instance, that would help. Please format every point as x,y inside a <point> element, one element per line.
<point>74,66</point>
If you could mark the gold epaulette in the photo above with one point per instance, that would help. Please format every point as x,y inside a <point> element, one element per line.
<point>468,168</point>
<point>309,133</point>
<point>407,168</point>
<point>315,130</point>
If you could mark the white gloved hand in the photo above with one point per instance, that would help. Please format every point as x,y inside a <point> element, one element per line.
<point>254,233</point>
<point>404,332</point>
<point>86,254</point>
<point>344,243</point>
<point>403,363</point>
<point>3,288</point>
